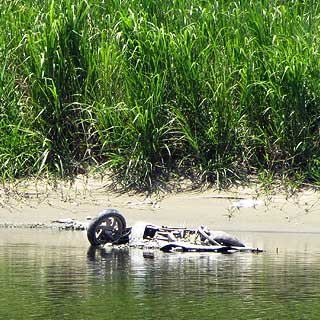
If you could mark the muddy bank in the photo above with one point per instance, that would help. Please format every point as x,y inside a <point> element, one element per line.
<point>242,209</point>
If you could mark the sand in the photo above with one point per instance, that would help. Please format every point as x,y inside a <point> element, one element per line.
<point>240,209</point>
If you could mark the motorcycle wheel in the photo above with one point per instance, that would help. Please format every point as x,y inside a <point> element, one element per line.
<point>107,227</point>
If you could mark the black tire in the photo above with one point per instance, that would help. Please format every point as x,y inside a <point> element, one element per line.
<point>107,227</point>
<point>220,238</point>
<point>205,235</point>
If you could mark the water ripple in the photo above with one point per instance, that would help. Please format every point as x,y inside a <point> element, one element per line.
<point>63,282</point>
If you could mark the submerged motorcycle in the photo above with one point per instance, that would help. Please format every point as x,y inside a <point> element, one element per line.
<point>110,227</point>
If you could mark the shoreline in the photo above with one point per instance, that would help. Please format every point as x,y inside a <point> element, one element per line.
<point>38,205</point>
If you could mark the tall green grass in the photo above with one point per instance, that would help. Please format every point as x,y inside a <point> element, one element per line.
<point>214,90</point>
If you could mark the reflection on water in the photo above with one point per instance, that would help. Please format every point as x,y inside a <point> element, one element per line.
<point>54,275</point>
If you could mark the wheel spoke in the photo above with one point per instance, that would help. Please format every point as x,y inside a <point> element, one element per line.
<point>111,225</point>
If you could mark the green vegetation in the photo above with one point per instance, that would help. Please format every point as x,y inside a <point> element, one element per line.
<point>214,90</point>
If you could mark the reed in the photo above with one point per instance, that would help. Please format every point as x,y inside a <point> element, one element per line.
<point>214,90</point>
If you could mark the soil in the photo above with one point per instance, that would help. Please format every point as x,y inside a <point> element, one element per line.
<point>34,204</point>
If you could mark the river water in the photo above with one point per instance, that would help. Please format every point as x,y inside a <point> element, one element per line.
<point>55,275</point>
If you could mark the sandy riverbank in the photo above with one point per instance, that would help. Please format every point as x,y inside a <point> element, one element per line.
<point>242,209</point>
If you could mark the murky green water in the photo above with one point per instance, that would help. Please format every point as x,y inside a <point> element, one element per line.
<point>54,275</point>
